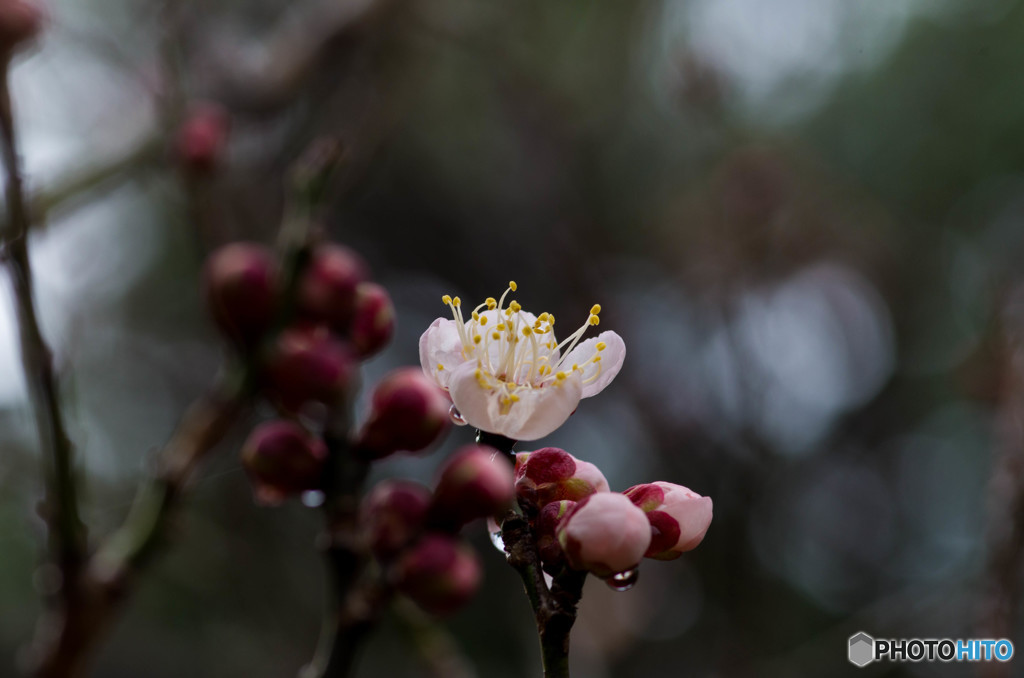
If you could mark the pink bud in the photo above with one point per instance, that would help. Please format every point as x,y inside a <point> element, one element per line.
<point>551,474</point>
<point>20,22</point>
<point>309,364</point>
<point>393,514</point>
<point>546,528</point>
<point>407,412</point>
<point>374,319</point>
<point>242,290</point>
<point>679,517</point>
<point>605,534</point>
<point>441,574</point>
<point>327,291</point>
<point>282,459</point>
<point>476,482</point>
<point>202,137</point>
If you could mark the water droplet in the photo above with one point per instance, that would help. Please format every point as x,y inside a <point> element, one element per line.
<point>623,581</point>
<point>313,498</point>
<point>494,532</point>
<point>456,416</point>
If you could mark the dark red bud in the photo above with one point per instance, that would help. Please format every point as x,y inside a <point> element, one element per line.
<point>393,514</point>
<point>373,321</point>
<point>20,22</point>
<point>283,459</point>
<point>546,528</point>
<point>408,412</point>
<point>474,483</point>
<point>308,364</point>
<point>441,574</point>
<point>327,291</point>
<point>242,290</point>
<point>202,137</point>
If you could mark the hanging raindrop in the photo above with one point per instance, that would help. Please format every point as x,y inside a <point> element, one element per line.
<point>456,416</point>
<point>494,532</point>
<point>623,581</point>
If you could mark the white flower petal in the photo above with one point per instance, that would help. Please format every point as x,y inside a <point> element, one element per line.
<point>609,366</point>
<point>441,345</point>
<point>538,412</point>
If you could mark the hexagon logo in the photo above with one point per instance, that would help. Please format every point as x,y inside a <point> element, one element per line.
<point>862,649</point>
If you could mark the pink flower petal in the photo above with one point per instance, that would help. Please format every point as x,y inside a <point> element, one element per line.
<point>609,366</point>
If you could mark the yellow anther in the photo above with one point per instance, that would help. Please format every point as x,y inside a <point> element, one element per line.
<point>440,367</point>
<point>483,320</point>
<point>476,316</point>
<point>595,309</point>
<point>551,319</point>
<point>500,327</point>
<point>594,320</point>
<point>477,373</point>
<point>446,300</point>
<point>575,367</point>
<point>514,398</point>
<point>496,336</point>
<point>597,358</point>
<point>491,303</point>
<point>543,317</point>
<point>512,285</point>
<point>457,302</point>
<point>527,331</point>
<point>561,376</point>
<point>601,346</point>
<point>514,306</point>
<point>477,338</point>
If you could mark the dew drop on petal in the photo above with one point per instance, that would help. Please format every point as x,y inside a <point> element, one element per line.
<point>623,581</point>
<point>313,498</point>
<point>456,416</point>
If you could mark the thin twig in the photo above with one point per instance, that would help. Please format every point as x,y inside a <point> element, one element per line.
<point>67,535</point>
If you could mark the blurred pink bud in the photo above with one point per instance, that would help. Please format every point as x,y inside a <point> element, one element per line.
<point>202,137</point>
<point>309,364</point>
<point>551,474</point>
<point>20,22</point>
<point>546,529</point>
<point>679,517</point>
<point>408,412</point>
<point>393,514</point>
<point>327,290</point>
<point>282,460</point>
<point>605,534</point>
<point>374,319</point>
<point>476,482</point>
<point>440,573</point>
<point>242,290</point>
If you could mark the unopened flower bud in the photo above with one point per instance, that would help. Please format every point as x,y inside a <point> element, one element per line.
<point>373,321</point>
<point>327,290</point>
<point>202,137</point>
<point>605,534</point>
<point>308,364</point>
<point>679,517</point>
<point>546,527</point>
<point>282,460</point>
<point>393,515</point>
<point>551,474</point>
<point>476,482</point>
<point>242,290</point>
<point>20,22</point>
<point>408,412</point>
<point>440,573</point>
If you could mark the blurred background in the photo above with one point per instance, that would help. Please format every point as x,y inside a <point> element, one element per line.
<point>805,217</point>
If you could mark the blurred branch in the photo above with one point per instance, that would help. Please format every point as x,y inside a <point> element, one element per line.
<point>294,53</point>
<point>438,649</point>
<point>66,637</point>
<point>67,534</point>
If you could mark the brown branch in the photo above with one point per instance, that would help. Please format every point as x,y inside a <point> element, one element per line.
<point>67,534</point>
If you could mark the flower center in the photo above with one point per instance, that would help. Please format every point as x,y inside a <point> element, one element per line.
<point>516,350</point>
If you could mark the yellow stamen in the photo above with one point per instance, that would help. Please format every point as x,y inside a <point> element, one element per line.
<point>446,300</point>
<point>601,346</point>
<point>595,309</point>
<point>512,285</point>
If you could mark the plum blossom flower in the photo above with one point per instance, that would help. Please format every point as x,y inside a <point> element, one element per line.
<point>679,517</point>
<point>508,374</point>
